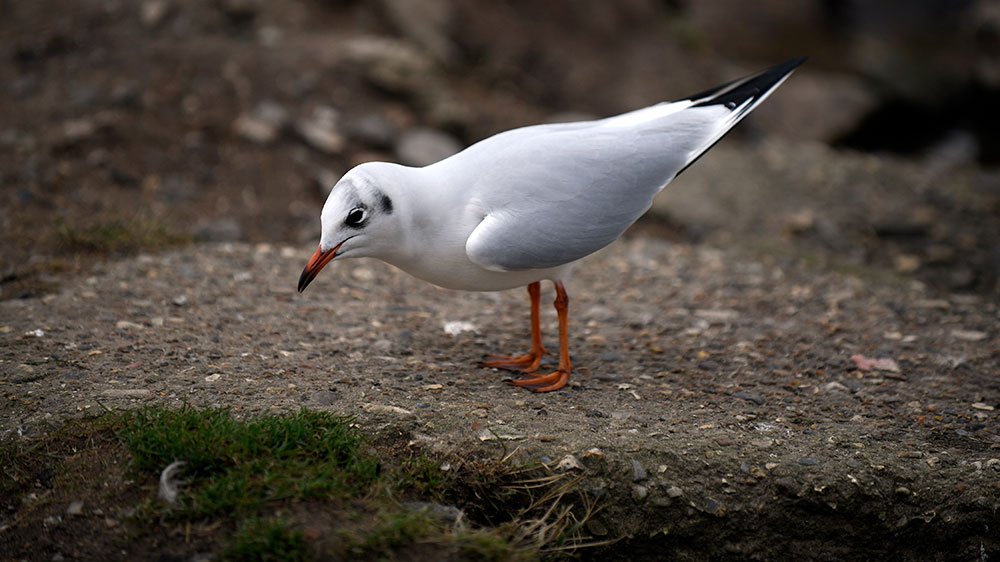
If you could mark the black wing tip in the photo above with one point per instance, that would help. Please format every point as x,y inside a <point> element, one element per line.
<point>735,93</point>
<point>761,81</point>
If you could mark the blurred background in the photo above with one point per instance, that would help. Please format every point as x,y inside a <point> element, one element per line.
<point>135,125</point>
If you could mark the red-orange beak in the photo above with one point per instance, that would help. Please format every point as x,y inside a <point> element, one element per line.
<point>316,263</point>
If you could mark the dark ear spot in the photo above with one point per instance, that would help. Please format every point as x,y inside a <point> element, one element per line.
<point>386,204</point>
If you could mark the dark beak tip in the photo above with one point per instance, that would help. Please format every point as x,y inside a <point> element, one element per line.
<point>304,280</point>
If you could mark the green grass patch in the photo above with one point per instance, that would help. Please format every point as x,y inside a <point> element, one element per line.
<point>237,467</point>
<point>306,485</point>
<point>262,540</point>
<point>117,236</point>
<point>395,530</point>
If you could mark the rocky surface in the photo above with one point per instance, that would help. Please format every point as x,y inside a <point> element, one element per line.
<point>717,400</point>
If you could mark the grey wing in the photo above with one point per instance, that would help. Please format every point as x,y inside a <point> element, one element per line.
<point>558,198</point>
<point>554,195</point>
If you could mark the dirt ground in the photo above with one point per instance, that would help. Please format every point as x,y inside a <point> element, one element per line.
<point>804,376</point>
<point>727,398</point>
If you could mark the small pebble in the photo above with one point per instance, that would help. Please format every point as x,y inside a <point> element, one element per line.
<point>714,507</point>
<point>639,493</point>
<point>75,508</point>
<point>749,397</point>
<point>389,409</point>
<point>569,462</point>
<point>324,397</point>
<point>611,356</point>
<point>969,335</point>
<point>320,130</point>
<point>596,528</point>
<point>638,473</point>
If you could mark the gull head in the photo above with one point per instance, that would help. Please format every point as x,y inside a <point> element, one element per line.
<point>357,220</point>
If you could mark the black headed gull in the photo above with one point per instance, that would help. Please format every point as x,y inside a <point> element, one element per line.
<point>526,204</point>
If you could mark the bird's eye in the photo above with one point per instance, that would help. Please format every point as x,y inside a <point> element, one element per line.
<point>356,218</point>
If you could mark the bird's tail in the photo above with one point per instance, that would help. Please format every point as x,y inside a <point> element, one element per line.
<point>740,97</point>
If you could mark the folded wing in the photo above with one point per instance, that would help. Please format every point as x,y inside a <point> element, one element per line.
<point>553,194</point>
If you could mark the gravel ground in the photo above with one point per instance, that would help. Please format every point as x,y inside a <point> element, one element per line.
<point>717,399</point>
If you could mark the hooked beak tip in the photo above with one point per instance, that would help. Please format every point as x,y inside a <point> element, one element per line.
<point>316,263</point>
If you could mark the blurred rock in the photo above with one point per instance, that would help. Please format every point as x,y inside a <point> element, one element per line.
<point>421,146</point>
<point>954,149</point>
<point>391,64</point>
<point>906,263</point>
<point>443,109</point>
<point>76,130</point>
<point>425,22</point>
<point>153,12</point>
<point>940,254</point>
<point>222,229</point>
<point>321,130</point>
<point>239,10</point>
<point>269,35</point>
<point>172,189</point>
<point>814,105</point>
<point>126,94</point>
<point>325,180</point>
<point>983,25</point>
<point>373,129</point>
<point>961,278</point>
<point>800,221</point>
<point>835,201</point>
<point>263,124</point>
<point>447,514</point>
<point>638,472</point>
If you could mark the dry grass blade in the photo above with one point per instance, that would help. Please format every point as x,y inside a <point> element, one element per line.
<point>555,519</point>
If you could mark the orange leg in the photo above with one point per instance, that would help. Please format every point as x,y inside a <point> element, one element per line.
<point>525,363</point>
<point>558,379</point>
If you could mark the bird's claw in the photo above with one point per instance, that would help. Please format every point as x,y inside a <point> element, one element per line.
<point>541,383</point>
<point>520,363</point>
